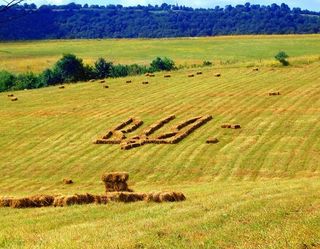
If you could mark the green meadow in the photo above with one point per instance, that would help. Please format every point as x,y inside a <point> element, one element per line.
<point>259,187</point>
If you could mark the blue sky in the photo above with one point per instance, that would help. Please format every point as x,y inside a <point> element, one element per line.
<point>305,4</point>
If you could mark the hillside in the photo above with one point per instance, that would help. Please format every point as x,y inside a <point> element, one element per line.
<point>72,21</point>
<point>257,188</point>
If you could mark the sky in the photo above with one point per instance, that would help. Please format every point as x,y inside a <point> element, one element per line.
<point>304,4</point>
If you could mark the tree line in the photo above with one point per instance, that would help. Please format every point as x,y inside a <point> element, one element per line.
<point>70,68</point>
<point>115,21</point>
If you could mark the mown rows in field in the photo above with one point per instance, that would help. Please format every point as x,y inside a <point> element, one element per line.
<point>259,186</point>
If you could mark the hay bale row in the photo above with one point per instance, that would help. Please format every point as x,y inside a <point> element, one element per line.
<point>5,202</point>
<point>117,187</point>
<point>62,201</point>
<point>167,135</point>
<point>158,125</point>
<point>126,197</point>
<point>187,122</point>
<point>132,144</point>
<point>212,141</point>
<point>274,93</point>
<point>29,202</point>
<point>123,124</point>
<point>196,125</point>
<point>231,126</point>
<point>136,124</point>
<point>107,141</point>
<point>165,197</point>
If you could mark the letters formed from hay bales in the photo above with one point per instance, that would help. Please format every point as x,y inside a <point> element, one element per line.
<point>115,177</point>
<point>158,125</point>
<point>136,124</point>
<point>14,99</point>
<point>212,140</point>
<point>123,124</point>
<point>67,181</point>
<point>186,123</point>
<point>11,95</point>
<point>165,197</point>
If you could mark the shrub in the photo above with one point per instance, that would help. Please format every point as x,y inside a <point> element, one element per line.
<point>162,64</point>
<point>207,63</point>
<point>119,71</point>
<point>27,81</point>
<point>49,78</point>
<point>6,81</point>
<point>103,69</point>
<point>69,68</point>
<point>282,58</point>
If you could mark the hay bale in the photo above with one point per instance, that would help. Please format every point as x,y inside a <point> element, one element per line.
<point>274,93</point>
<point>105,86</point>
<point>235,126</point>
<point>217,75</point>
<point>10,95</point>
<point>5,202</point>
<point>67,181</point>
<point>165,197</point>
<point>128,81</point>
<point>145,82</point>
<point>102,81</point>
<point>92,80</point>
<point>115,177</point>
<point>32,202</point>
<point>212,140</point>
<point>199,73</point>
<point>14,99</point>
<point>228,126</point>
<point>63,201</point>
<point>147,74</point>
<point>126,197</point>
<point>151,75</point>
<point>61,87</point>
<point>101,199</point>
<point>255,69</point>
<point>190,75</point>
<point>167,76</point>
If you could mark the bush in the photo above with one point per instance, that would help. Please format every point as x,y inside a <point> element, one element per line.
<point>69,68</point>
<point>49,78</point>
<point>6,81</point>
<point>119,71</point>
<point>207,63</point>
<point>162,64</point>
<point>282,58</point>
<point>27,81</point>
<point>102,68</point>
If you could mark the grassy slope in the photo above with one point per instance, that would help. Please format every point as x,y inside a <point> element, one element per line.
<point>36,56</point>
<point>258,188</point>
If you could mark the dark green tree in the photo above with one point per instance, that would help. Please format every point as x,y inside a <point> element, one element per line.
<point>103,69</point>
<point>6,81</point>
<point>162,64</point>
<point>282,58</point>
<point>69,68</point>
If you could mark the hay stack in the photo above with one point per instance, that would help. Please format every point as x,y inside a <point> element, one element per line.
<point>5,202</point>
<point>67,181</point>
<point>158,125</point>
<point>116,182</point>
<point>165,197</point>
<point>14,99</point>
<point>212,140</point>
<point>126,197</point>
<point>217,75</point>
<point>32,202</point>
